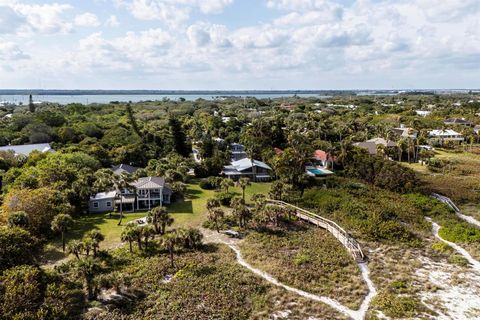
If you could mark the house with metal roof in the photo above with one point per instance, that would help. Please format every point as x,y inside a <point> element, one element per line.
<point>26,149</point>
<point>459,122</point>
<point>142,195</point>
<point>371,145</point>
<point>238,151</point>
<point>124,168</point>
<point>253,169</point>
<point>440,136</point>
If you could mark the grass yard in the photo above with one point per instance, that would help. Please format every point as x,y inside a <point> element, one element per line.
<point>188,213</point>
<point>461,179</point>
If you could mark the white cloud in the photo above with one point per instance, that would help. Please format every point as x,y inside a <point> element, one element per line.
<point>112,21</point>
<point>299,42</point>
<point>17,17</point>
<point>10,51</point>
<point>86,20</point>
<point>173,12</point>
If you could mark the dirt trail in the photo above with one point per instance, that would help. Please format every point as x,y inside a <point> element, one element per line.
<point>214,237</point>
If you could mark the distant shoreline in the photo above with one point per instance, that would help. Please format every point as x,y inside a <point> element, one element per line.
<point>42,92</point>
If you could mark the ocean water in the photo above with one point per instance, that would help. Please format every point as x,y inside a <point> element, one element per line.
<point>89,99</point>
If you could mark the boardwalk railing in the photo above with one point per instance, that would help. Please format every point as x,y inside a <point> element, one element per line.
<point>447,201</point>
<point>338,232</point>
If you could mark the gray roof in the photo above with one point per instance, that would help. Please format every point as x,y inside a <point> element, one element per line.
<point>371,145</point>
<point>124,168</point>
<point>104,195</point>
<point>244,164</point>
<point>458,121</point>
<point>26,149</point>
<point>149,183</point>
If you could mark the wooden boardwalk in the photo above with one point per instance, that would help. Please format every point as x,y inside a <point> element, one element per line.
<point>338,232</point>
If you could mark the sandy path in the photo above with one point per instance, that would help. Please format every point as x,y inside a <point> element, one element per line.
<point>354,314</point>
<point>475,264</point>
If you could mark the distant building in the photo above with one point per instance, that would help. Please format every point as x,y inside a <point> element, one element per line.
<point>404,132</point>
<point>372,145</point>
<point>477,129</point>
<point>124,168</point>
<point>253,169</point>
<point>459,122</point>
<point>26,149</point>
<point>145,194</point>
<point>322,158</point>
<point>238,151</point>
<point>423,113</point>
<point>441,136</point>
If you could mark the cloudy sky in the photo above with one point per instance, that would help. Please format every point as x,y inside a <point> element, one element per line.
<point>239,44</point>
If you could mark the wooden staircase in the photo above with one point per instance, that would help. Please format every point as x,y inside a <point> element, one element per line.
<point>338,232</point>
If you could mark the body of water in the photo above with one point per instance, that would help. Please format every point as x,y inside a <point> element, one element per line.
<point>100,98</point>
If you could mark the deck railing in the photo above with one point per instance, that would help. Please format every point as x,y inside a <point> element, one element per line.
<point>338,232</point>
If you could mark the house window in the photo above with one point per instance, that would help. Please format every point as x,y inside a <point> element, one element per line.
<point>109,204</point>
<point>166,198</point>
<point>95,204</point>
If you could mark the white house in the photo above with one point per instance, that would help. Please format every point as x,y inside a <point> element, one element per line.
<point>423,113</point>
<point>440,136</point>
<point>145,194</point>
<point>26,149</point>
<point>253,169</point>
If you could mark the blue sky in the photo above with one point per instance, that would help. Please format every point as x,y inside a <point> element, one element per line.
<point>239,44</point>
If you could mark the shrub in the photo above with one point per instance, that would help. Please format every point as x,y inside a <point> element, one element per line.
<point>396,306</point>
<point>301,259</point>
<point>17,246</point>
<point>225,198</point>
<point>206,185</point>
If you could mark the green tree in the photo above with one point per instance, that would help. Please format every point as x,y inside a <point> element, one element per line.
<point>61,223</point>
<point>243,183</point>
<point>88,268</point>
<point>17,246</point>
<point>226,184</point>
<point>214,215</point>
<point>240,211</point>
<point>129,234</point>
<point>160,219</point>
<point>96,237</point>
<point>148,232</point>
<point>75,247</point>
<point>169,241</point>
<point>18,219</point>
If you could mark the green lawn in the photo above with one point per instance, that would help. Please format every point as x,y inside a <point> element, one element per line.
<point>189,213</point>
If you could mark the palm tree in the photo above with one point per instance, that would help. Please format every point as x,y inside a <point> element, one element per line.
<point>226,184</point>
<point>401,146</point>
<point>129,234</point>
<point>148,233</point>
<point>240,211</point>
<point>192,238</point>
<point>214,215</point>
<point>165,220</point>
<point>61,223</point>
<point>243,183</point>
<point>212,203</point>
<point>107,179</point>
<point>169,241</point>
<point>87,268</point>
<point>259,200</point>
<point>156,216</point>
<point>75,247</point>
<point>96,237</point>
<point>122,182</point>
<point>87,244</point>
